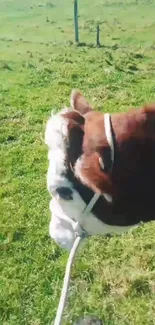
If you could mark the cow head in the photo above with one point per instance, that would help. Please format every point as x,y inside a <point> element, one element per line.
<point>79,167</point>
<point>64,137</point>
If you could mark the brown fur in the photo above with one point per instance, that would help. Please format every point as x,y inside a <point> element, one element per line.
<point>134,133</point>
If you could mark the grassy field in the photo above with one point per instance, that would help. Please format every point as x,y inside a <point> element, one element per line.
<point>114,278</point>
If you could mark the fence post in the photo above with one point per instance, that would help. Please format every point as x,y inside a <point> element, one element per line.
<point>98,36</point>
<point>76,21</point>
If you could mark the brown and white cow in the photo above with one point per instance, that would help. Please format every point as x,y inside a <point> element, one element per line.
<point>90,152</point>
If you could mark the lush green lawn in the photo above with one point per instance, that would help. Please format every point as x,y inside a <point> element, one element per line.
<point>112,278</point>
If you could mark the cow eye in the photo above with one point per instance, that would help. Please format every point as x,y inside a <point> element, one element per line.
<point>65,192</point>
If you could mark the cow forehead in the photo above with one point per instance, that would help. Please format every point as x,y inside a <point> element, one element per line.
<point>56,132</point>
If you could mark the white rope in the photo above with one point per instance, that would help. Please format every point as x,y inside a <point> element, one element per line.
<point>64,291</point>
<point>73,251</point>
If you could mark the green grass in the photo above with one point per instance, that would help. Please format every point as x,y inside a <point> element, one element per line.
<point>113,278</point>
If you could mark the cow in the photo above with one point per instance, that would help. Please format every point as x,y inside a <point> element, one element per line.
<point>109,157</point>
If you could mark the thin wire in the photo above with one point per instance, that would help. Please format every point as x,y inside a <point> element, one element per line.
<point>65,287</point>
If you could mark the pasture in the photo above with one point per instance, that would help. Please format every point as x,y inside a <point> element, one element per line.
<point>113,278</point>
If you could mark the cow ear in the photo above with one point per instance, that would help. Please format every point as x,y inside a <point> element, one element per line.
<point>79,103</point>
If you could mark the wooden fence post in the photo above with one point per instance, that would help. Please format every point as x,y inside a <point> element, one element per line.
<point>98,36</point>
<point>76,21</point>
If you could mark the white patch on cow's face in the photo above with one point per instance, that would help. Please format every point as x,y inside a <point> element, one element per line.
<point>56,137</point>
<point>62,231</point>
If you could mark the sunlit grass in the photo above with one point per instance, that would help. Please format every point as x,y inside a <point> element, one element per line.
<point>112,278</point>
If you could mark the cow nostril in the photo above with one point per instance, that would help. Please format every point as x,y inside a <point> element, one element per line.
<point>65,193</point>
